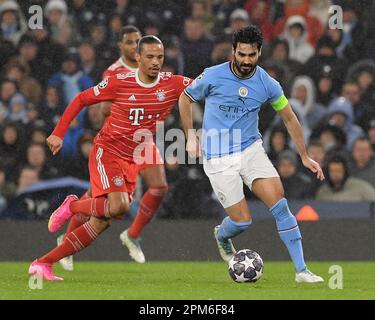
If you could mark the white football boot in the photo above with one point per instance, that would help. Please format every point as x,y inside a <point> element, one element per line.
<point>67,262</point>
<point>308,277</point>
<point>226,248</point>
<point>134,247</point>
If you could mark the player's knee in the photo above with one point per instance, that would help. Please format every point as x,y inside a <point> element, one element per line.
<point>119,206</point>
<point>159,191</point>
<point>99,224</point>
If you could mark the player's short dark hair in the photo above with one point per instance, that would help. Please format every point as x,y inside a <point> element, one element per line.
<point>148,40</point>
<point>250,34</point>
<point>128,29</point>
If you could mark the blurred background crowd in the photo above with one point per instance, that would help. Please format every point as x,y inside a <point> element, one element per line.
<point>328,75</point>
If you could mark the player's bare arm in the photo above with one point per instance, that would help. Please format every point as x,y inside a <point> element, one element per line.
<point>294,128</point>
<point>186,114</point>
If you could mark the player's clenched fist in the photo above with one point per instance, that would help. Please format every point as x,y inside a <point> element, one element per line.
<point>54,143</point>
<point>193,146</point>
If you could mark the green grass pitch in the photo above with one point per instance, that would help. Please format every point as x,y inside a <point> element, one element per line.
<point>184,280</point>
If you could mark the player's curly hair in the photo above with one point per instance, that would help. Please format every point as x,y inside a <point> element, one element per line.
<point>249,34</point>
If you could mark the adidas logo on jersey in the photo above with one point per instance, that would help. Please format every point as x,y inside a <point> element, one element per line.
<point>132,98</point>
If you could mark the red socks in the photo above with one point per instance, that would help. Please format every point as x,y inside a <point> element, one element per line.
<point>75,241</point>
<point>97,207</point>
<point>148,206</point>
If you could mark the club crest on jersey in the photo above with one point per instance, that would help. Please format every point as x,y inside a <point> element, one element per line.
<point>118,181</point>
<point>243,92</point>
<point>103,84</point>
<point>160,95</point>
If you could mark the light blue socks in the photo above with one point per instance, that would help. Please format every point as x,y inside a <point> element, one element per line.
<point>229,228</point>
<point>289,232</point>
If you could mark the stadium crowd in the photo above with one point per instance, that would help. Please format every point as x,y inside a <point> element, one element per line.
<point>328,75</point>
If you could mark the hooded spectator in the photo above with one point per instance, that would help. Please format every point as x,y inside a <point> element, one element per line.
<point>303,101</point>
<point>296,184</point>
<point>340,114</point>
<point>12,21</point>
<point>340,186</point>
<point>59,23</point>
<point>295,33</point>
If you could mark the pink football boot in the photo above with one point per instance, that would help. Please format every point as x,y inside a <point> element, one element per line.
<point>43,270</point>
<point>61,215</point>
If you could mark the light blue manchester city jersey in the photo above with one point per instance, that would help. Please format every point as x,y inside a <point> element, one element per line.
<point>232,104</point>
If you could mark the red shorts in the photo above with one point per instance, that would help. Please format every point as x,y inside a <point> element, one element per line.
<point>110,173</point>
<point>156,158</point>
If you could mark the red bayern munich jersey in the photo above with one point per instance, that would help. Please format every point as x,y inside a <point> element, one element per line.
<point>136,107</point>
<point>119,66</point>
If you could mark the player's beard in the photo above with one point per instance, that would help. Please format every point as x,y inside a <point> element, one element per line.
<point>244,72</point>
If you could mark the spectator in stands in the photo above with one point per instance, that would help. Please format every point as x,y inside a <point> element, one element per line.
<point>295,33</point>
<point>320,10</point>
<point>38,134</point>
<point>89,63</point>
<point>278,142</point>
<point>196,47</point>
<point>296,184</point>
<point>238,19</point>
<point>340,114</point>
<point>8,89</point>
<point>7,188</point>
<point>259,14</point>
<point>371,133</point>
<point>11,147</point>
<point>59,23</point>
<point>94,118</point>
<point>222,51</point>
<point>300,8</point>
<point>27,177</point>
<point>280,56</point>
<point>351,92</point>
<point>18,109</point>
<point>36,158</point>
<point>71,80</point>
<point>363,166</point>
<point>326,62</point>
<point>340,186</point>
<point>82,16</point>
<point>324,86</point>
<point>200,9</point>
<point>49,56</point>
<point>7,51</point>
<point>333,140</point>
<point>303,101</point>
<point>315,151</point>
<point>29,86</point>
<point>363,73</point>
<point>105,53</point>
<point>77,166</point>
<point>12,21</point>
<point>52,107</point>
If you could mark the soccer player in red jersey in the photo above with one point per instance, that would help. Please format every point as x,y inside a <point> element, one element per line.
<point>152,173</point>
<point>139,99</point>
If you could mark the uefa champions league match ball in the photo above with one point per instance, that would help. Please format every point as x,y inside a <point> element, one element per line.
<point>246,266</point>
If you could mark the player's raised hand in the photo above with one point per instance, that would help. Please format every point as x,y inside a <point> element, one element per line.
<point>314,167</point>
<point>54,143</point>
<point>193,146</point>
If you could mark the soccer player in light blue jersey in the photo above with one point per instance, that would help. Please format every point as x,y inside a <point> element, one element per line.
<point>232,148</point>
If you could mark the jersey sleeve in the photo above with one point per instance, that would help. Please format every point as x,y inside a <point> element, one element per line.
<point>104,91</point>
<point>276,94</point>
<point>180,83</point>
<point>198,89</point>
